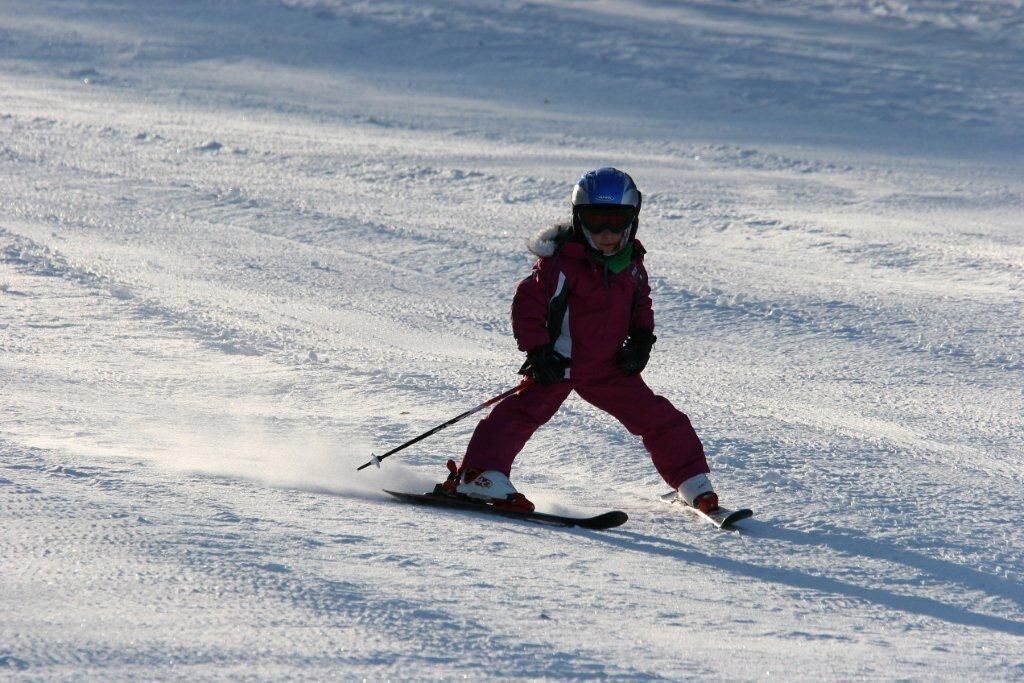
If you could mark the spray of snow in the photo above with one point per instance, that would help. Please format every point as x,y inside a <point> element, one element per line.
<point>252,449</point>
<point>281,456</point>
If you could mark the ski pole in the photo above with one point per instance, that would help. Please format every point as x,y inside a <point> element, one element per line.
<point>374,460</point>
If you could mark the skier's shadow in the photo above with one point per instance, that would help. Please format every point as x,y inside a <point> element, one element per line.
<point>850,544</point>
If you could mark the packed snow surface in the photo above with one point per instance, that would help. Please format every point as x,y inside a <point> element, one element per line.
<point>244,245</point>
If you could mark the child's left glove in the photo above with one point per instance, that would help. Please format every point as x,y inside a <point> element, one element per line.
<point>633,356</point>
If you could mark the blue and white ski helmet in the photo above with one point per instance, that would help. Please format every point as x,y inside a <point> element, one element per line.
<point>606,187</point>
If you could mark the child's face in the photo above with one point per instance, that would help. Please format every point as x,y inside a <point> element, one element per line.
<point>607,241</point>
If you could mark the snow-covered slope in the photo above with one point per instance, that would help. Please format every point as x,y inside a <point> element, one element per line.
<point>245,244</point>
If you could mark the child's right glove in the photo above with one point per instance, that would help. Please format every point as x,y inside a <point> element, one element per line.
<point>633,356</point>
<point>545,365</point>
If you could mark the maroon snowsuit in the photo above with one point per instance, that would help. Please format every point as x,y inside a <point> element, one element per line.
<point>587,312</point>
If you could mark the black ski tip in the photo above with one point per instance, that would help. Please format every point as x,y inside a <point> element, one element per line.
<point>736,516</point>
<point>608,520</point>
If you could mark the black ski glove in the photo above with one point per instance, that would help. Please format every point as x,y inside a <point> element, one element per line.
<point>633,356</point>
<point>545,365</point>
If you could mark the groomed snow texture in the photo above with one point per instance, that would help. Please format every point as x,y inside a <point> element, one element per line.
<point>244,245</point>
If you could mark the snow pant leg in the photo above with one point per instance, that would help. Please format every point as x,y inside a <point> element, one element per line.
<point>675,449</point>
<point>500,436</point>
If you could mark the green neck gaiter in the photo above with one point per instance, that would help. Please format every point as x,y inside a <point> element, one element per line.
<point>616,262</point>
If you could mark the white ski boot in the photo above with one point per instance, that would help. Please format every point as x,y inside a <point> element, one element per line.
<point>698,493</point>
<point>493,487</point>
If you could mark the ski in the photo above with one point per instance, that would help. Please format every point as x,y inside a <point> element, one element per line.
<point>723,518</point>
<point>607,520</point>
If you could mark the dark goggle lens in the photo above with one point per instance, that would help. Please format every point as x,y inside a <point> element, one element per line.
<point>597,219</point>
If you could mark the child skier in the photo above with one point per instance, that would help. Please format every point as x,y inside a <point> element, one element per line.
<point>585,321</point>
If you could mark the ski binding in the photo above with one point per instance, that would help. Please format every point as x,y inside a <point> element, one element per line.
<point>723,518</point>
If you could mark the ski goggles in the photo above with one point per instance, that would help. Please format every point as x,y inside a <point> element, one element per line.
<point>597,218</point>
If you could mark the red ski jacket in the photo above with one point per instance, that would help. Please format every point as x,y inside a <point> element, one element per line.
<point>573,302</point>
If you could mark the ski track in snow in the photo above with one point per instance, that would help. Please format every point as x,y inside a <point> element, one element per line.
<point>244,245</point>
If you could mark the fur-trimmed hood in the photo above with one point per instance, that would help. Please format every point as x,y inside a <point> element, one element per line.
<point>546,241</point>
